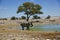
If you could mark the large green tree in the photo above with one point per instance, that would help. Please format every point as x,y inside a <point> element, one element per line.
<point>29,9</point>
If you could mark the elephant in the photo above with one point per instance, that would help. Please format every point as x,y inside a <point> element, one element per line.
<point>26,24</point>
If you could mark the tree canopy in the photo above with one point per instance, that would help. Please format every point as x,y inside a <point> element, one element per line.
<point>30,9</point>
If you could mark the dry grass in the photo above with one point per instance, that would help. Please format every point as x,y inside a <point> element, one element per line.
<point>6,24</point>
<point>32,33</point>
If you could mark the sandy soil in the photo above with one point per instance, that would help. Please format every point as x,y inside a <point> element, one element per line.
<point>27,35</point>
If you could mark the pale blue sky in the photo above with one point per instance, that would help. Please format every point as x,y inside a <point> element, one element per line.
<point>8,8</point>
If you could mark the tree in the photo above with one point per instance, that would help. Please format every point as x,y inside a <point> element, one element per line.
<point>39,18</point>
<point>4,18</point>
<point>13,18</point>
<point>16,18</point>
<point>36,17</point>
<point>23,17</point>
<point>48,17</point>
<point>29,9</point>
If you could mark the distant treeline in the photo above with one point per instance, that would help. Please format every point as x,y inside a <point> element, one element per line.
<point>24,17</point>
<point>3,18</point>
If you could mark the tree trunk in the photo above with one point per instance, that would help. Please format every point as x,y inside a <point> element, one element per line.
<point>28,22</point>
<point>27,18</point>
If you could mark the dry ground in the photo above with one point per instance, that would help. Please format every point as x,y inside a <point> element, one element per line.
<point>27,35</point>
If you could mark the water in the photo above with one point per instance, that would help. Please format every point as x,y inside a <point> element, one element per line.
<point>46,27</point>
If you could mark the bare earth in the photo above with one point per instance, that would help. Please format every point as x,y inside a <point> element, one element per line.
<point>27,35</point>
<point>8,32</point>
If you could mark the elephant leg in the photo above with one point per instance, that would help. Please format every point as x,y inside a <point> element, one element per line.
<point>22,28</point>
<point>31,24</point>
<point>28,28</point>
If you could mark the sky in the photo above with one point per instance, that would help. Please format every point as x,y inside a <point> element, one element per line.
<point>8,8</point>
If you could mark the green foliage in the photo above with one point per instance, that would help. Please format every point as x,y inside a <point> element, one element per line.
<point>3,18</point>
<point>48,17</point>
<point>30,9</point>
<point>23,17</point>
<point>13,18</point>
<point>36,17</point>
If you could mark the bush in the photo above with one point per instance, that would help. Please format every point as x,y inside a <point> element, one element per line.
<point>13,18</point>
<point>23,17</point>
<point>4,18</point>
<point>48,17</point>
<point>36,17</point>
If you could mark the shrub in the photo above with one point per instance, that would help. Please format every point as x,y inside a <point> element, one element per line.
<point>48,17</point>
<point>13,18</point>
<point>23,17</point>
<point>36,17</point>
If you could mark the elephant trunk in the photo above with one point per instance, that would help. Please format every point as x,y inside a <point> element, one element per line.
<point>31,24</point>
